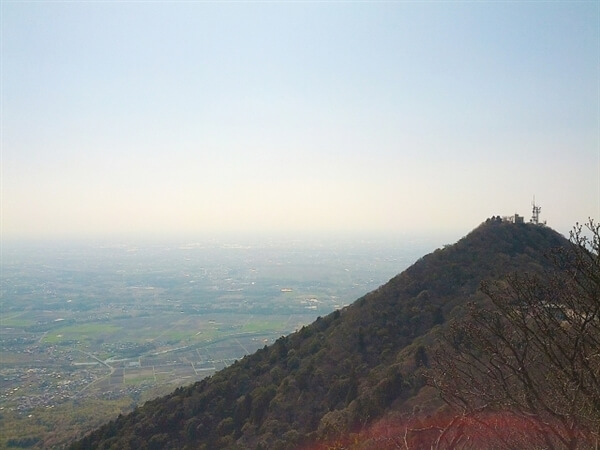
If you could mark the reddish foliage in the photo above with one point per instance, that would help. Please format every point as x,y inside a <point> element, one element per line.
<point>441,431</point>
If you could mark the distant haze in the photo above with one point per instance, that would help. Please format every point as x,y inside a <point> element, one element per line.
<point>188,118</point>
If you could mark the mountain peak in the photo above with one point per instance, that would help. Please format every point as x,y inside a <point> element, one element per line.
<point>344,370</point>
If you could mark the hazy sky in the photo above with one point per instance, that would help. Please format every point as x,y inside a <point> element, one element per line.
<point>183,118</point>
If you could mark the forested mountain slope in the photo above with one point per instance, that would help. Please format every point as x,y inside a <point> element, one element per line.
<point>343,371</point>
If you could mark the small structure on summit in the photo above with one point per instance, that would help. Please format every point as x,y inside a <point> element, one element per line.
<point>535,216</point>
<point>513,219</point>
<point>516,218</point>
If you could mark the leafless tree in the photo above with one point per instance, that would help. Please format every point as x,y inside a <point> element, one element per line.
<point>531,353</point>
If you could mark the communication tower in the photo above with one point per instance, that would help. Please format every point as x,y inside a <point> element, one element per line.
<point>535,216</point>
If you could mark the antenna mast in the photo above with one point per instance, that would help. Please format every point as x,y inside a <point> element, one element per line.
<point>535,217</point>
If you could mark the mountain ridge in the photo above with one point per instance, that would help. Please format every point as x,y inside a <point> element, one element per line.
<point>344,370</point>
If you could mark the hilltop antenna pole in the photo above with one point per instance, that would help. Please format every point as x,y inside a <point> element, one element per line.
<point>535,217</point>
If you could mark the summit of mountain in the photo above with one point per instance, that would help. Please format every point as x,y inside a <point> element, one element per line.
<point>343,371</point>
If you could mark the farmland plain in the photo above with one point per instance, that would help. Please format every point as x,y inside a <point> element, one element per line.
<point>90,330</point>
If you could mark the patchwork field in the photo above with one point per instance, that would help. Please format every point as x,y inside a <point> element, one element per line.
<point>89,332</point>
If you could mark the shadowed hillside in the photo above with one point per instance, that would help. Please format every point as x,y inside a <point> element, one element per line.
<point>344,371</point>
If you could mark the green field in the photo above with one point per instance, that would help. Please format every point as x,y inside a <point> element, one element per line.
<point>88,333</point>
<point>85,332</point>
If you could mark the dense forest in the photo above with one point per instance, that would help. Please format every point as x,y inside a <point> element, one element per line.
<point>378,361</point>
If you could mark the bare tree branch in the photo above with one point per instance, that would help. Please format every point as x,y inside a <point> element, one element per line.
<point>534,352</point>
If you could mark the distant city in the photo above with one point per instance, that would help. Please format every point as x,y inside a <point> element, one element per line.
<point>109,327</point>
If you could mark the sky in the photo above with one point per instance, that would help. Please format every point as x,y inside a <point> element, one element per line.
<point>155,119</point>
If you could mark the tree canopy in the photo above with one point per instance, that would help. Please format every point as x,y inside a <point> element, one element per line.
<point>337,378</point>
